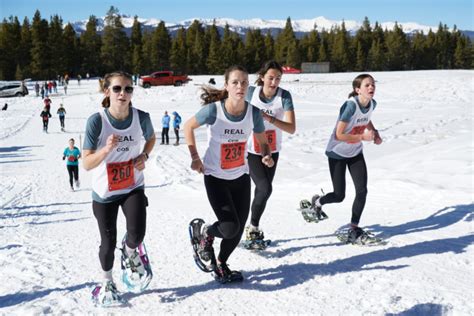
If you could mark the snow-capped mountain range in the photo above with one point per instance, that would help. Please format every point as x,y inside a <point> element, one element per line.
<point>241,26</point>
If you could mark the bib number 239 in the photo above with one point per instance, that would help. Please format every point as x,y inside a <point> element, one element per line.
<point>232,155</point>
<point>120,175</point>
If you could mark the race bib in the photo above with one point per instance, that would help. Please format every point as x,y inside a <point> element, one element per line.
<point>71,158</point>
<point>120,175</point>
<point>271,139</point>
<point>357,130</point>
<point>232,155</point>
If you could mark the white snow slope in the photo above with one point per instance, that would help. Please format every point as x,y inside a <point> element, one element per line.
<point>420,199</point>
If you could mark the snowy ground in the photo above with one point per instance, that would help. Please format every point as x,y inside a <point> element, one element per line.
<point>420,198</point>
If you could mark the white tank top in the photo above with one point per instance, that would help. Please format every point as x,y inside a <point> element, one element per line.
<point>116,174</point>
<point>226,155</point>
<point>356,126</point>
<point>273,133</point>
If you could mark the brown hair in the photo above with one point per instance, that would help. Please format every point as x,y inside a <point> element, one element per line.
<point>357,82</point>
<point>210,94</point>
<point>105,84</point>
<point>271,64</point>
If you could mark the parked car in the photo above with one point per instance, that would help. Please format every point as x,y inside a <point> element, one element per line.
<point>163,78</point>
<point>13,89</point>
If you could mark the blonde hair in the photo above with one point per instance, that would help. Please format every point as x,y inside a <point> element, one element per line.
<point>210,94</point>
<point>105,84</point>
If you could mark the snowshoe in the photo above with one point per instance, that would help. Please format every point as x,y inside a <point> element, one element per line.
<point>106,295</point>
<point>358,236</point>
<point>312,213</point>
<point>136,269</point>
<point>223,274</point>
<point>204,256</point>
<point>255,240</point>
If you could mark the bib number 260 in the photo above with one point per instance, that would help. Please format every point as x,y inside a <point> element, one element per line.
<point>120,175</point>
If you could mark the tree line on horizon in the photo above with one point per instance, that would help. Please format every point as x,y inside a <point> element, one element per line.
<point>44,50</point>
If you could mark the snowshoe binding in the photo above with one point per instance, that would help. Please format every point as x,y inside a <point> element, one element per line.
<point>223,274</point>
<point>311,212</point>
<point>204,256</point>
<point>106,295</point>
<point>358,236</point>
<point>255,240</point>
<point>136,268</point>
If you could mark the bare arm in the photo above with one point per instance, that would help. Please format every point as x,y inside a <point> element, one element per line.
<point>288,124</point>
<point>377,138</point>
<point>267,159</point>
<point>139,161</point>
<point>93,158</point>
<point>368,135</point>
<point>189,127</point>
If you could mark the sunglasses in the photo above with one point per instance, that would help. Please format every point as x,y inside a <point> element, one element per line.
<point>118,89</point>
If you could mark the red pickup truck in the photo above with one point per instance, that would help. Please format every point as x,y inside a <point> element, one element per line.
<point>163,78</point>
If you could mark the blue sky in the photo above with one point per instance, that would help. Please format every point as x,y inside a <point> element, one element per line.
<point>426,12</point>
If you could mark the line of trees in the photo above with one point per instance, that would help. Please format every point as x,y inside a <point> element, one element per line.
<point>43,50</point>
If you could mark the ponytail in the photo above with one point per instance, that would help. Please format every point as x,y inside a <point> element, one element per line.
<point>357,82</point>
<point>211,94</point>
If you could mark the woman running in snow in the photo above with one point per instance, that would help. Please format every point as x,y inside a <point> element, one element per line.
<point>230,121</point>
<point>114,151</point>
<point>277,109</point>
<point>344,151</point>
<point>72,154</point>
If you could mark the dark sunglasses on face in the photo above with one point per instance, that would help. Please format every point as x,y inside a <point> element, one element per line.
<point>118,89</point>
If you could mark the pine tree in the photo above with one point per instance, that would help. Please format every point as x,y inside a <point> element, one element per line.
<point>462,52</point>
<point>214,59</point>
<point>362,44</point>
<point>136,46</point>
<point>229,55</point>
<point>91,44</point>
<point>397,49</point>
<point>195,43</point>
<point>254,52</point>
<point>57,47</point>
<point>269,46</point>
<point>25,48</point>
<point>115,50</point>
<point>376,57</point>
<point>340,59</point>
<point>285,39</point>
<point>10,36</point>
<point>40,57</point>
<point>72,60</point>
<point>418,51</point>
<point>178,52</point>
<point>161,44</point>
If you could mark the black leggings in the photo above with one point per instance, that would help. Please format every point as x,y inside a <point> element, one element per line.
<point>73,170</point>
<point>61,120</point>
<point>262,176</point>
<point>230,200</point>
<point>165,136</point>
<point>358,171</point>
<point>134,208</point>
<point>176,132</point>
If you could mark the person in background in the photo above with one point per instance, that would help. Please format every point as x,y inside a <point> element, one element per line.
<point>45,115</point>
<point>72,154</point>
<point>62,115</point>
<point>176,124</point>
<point>278,113</point>
<point>230,120</point>
<point>165,123</point>
<point>114,151</point>
<point>344,151</point>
